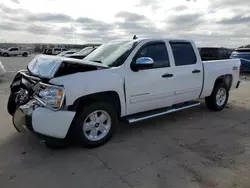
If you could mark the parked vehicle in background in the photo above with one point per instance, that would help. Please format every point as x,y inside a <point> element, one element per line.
<point>1,51</point>
<point>2,69</point>
<point>54,51</point>
<point>244,55</point>
<point>213,53</point>
<point>15,51</point>
<point>83,53</point>
<point>69,52</point>
<point>130,79</point>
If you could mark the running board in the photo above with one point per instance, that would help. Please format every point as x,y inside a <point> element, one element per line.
<point>155,113</point>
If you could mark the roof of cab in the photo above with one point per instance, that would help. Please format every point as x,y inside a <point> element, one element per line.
<point>163,39</point>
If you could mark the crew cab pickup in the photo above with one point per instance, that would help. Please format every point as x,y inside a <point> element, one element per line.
<point>14,52</point>
<point>130,80</point>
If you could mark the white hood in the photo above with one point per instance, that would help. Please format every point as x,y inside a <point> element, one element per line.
<point>46,66</point>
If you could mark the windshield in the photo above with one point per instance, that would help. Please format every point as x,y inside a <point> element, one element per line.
<point>112,53</point>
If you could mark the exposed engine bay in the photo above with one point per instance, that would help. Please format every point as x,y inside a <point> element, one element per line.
<point>21,91</point>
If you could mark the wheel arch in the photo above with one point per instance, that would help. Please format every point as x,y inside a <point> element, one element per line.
<point>6,53</point>
<point>227,79</point>
<point>111,97</point>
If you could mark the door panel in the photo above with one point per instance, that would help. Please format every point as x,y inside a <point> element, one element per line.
<point>15,51</point>
<point>150,88</point>
<point>188,72</point>
<point>147,90</point>
<point>187,85</point>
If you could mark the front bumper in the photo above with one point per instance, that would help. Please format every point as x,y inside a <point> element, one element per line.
<point>43,121</point>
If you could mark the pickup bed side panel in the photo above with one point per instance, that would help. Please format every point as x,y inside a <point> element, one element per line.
<point>215,69</point>
<point>86,83</point>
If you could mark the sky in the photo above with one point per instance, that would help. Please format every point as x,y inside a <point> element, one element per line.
<point>207,22</point>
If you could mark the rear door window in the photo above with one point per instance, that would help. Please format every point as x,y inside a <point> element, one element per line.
<point>183,53</point>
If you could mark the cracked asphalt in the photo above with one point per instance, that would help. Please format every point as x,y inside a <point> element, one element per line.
<point>195,148</point>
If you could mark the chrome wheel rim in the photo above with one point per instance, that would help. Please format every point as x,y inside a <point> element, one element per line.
<point>97,125</point>
<point>221,96</point>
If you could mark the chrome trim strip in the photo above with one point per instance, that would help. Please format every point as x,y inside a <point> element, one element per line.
<point>133,120</point>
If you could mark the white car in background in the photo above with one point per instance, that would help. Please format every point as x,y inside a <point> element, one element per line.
<point>15,51</point>
<point>66,53</point>
<point>2,69</point>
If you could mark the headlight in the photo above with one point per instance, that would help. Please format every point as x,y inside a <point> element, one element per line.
<point>52,96</point>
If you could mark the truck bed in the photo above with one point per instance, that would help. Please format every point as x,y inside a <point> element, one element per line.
<point>216,68</point>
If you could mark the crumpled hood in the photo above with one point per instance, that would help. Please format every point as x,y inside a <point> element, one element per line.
<point>46,66</point>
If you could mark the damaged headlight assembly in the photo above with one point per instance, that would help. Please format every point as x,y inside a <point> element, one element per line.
<point>50,96</point>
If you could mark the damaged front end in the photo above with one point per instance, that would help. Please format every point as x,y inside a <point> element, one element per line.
<point>33,83</point>
<point>29,93</point>
<point>21,90</point>
<point>38,105</point>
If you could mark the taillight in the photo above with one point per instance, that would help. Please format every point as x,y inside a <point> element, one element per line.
<point>235,68</point>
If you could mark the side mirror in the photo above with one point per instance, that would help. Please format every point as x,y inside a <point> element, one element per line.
<point>142,63</point>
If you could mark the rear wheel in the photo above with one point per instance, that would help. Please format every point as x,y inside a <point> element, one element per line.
<point>25,54</point>
<point>219,97</point>
<point>96,124</point>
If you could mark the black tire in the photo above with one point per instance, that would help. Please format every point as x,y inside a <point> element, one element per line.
<point>25,54</point>
<point>11,105</point>
<point>211,100</point>
<point>6,55</point>
<point>87,110</point>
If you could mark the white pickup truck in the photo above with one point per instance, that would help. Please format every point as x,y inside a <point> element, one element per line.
<point>15,51</point>
<point>132,80</point>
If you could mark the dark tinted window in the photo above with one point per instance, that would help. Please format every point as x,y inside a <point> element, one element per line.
<point>209,52</point>
<point>64,49</point>
<point>57,49</point>
<point>183,54</point>
<point>223,52</point>
<point>14,49</point>
<point>158,52</point>
<point>242,50</point>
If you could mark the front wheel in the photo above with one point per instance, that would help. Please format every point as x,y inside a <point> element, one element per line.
<point>96,124</point>
<point>6,55</point>
<point>219,97</point>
